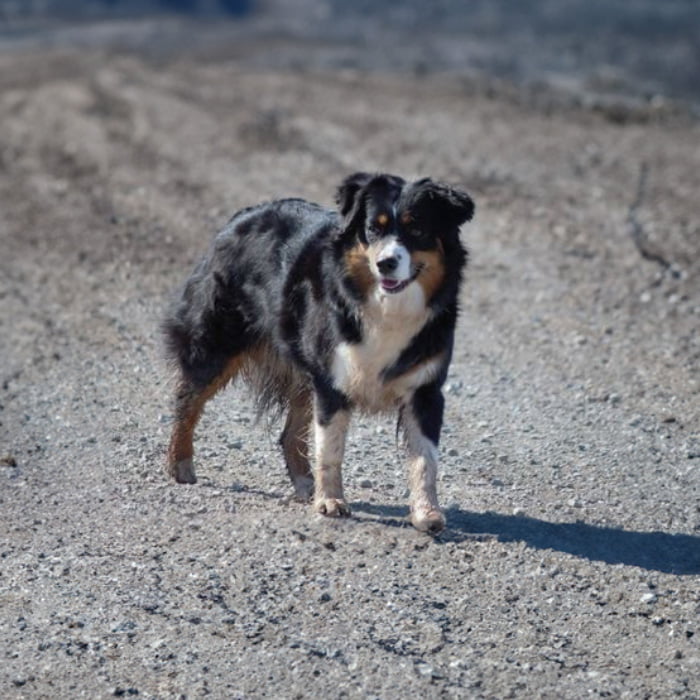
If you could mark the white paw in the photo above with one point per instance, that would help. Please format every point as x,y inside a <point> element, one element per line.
<point>428,519</point>
<point>332,507</point>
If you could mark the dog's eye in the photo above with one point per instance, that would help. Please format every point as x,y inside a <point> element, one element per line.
<point>410,225</point>
<point>382,220</point>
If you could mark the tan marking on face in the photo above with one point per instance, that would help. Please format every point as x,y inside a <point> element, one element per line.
<point>406,218</point>
<point>382,220</point>
<point>432,271</point>
<point>371,253</point>
<point>358,267</point>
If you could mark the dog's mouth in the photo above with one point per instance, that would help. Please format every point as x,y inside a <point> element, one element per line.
<point>394,286</point>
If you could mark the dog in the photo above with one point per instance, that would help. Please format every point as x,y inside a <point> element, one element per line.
<point>324,312</point>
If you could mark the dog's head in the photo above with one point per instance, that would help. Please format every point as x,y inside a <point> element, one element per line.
<point>404,232</point>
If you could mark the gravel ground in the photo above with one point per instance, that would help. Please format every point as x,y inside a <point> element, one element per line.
<point>570,566</point>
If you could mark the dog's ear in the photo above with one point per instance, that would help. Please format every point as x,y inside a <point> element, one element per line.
<point>460,204</point>
<point>350,198</point>
<point>346,195</point>
<point>453,206</point>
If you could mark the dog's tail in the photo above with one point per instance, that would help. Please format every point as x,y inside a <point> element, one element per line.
<point>193,330</point>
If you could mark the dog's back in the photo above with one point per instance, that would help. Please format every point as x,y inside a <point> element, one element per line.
<point>234,299</point>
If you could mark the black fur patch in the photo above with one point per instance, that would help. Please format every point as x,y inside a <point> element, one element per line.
<point>428,406</point>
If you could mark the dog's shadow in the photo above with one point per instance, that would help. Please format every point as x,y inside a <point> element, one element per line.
<point>655,551</point>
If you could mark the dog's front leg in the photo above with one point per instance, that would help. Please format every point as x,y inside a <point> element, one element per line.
<point>421,419</point>
<point>331,420</point>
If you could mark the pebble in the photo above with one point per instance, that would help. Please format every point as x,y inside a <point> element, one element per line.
<point>648,598</point>
<point>424,670</point>
<point>365,484</point>
<point>454,387</point>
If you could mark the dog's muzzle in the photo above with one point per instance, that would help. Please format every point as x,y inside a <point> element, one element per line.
<point>394,286</point>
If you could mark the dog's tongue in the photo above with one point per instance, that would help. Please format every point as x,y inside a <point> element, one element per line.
<point>390,284</point>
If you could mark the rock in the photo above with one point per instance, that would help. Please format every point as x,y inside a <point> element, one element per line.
<point>425,670</point>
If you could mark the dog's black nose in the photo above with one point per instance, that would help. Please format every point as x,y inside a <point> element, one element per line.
<point>387,265</point>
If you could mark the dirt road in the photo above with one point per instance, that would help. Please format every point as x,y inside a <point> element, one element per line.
<point>571,563</point>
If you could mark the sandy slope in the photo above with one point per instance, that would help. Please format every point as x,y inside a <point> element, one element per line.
<point>570,456</point>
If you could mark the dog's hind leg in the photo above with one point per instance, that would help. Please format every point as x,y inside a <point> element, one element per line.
<point>294,442</point>
<point>189,404</point>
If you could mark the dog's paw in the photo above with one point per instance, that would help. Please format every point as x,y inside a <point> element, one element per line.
<point>183,471</point>
<point>332,507</point>
<point>430,520</point>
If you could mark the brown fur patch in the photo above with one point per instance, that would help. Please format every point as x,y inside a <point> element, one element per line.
<point>357,265</point>
<point>295,437</point>
<point>433,269</point>
<point>190,404</point>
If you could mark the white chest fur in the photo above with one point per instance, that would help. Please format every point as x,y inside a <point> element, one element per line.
<point>389,324</point>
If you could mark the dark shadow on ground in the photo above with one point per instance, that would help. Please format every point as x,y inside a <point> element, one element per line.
<point>654,551</point>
